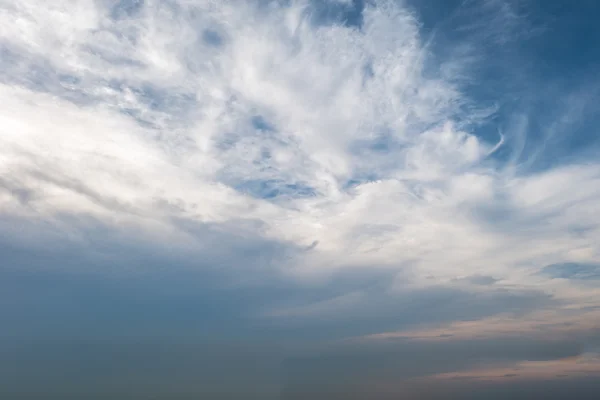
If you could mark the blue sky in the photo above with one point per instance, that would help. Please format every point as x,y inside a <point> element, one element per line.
<point>296,199</point>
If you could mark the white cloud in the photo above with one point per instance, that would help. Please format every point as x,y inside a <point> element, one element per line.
<point>362,144</point>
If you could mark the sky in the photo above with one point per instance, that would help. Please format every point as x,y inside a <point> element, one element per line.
<point>299,199</point>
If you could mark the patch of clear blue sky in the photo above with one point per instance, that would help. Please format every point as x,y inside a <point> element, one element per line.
<point>539,71</point>
<point>126,8</point>
<point>272,188</point>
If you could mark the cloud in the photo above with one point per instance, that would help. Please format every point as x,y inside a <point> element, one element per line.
<point>582,366</point>
<point>309,171</point>
<point>572,271</point>
<point>555,324</point>
<point>271,122</point>
<point>415,370</point>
